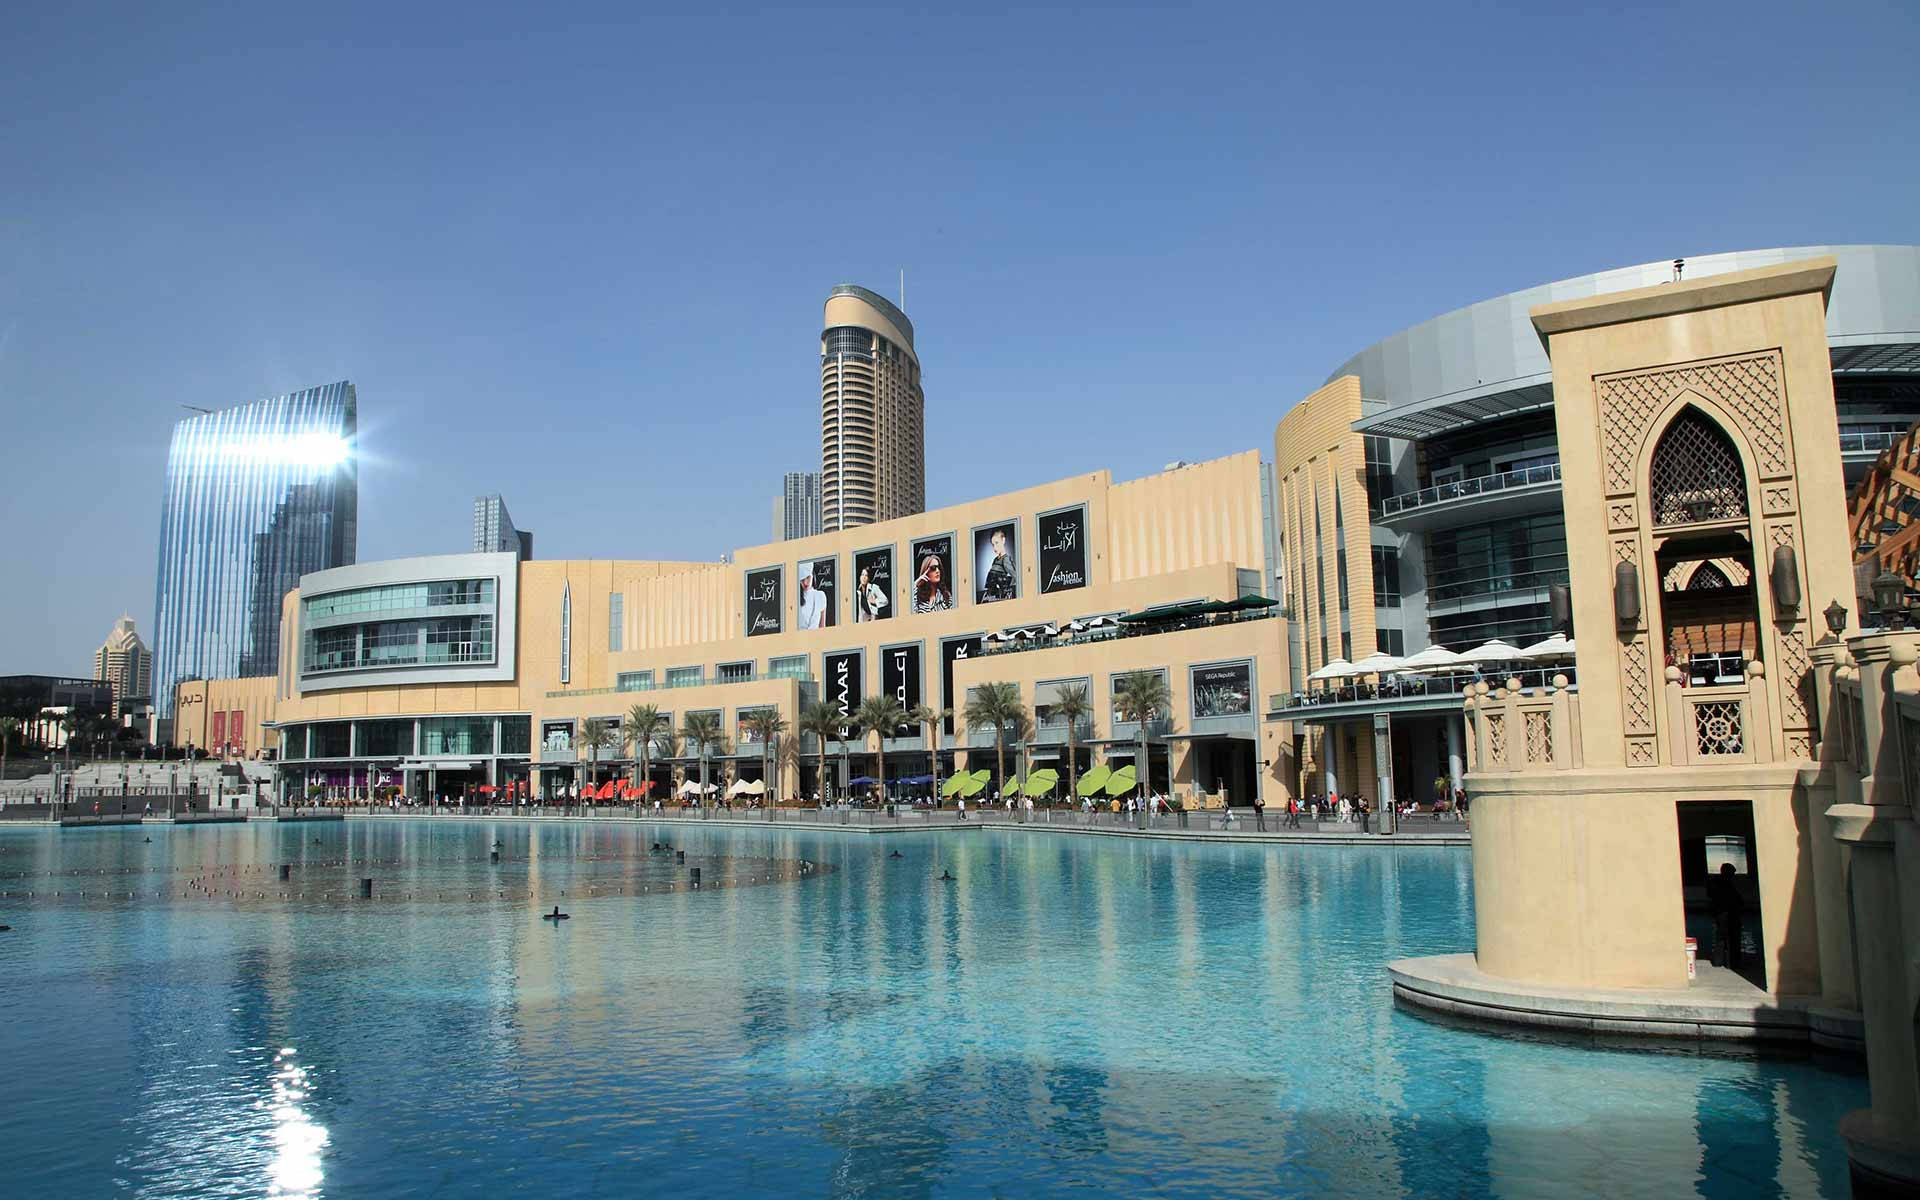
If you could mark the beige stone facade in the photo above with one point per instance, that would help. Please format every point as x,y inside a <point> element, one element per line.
<point>596,637</point>
<point>1321,498</point>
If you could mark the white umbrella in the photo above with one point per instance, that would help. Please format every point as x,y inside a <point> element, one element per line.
<point>1559,646</point>
<point>689,788</point>
<point>1339,668</point>
<point>738,788</point>
<point>1374,664</point>
<point>1433,658</point>
<point>757,788</point>
<point>1495,651</point>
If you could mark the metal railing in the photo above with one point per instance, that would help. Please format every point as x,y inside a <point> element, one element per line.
<point>1871,442</point>
<point>671,684</point>
<point>1413,687</point>
<point>1467,489</point>
<point>1130,630</point>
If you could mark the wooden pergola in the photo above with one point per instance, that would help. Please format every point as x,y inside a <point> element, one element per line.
<point>1884,511</point>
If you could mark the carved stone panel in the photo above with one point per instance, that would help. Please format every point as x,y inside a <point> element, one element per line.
<point>1748,386</point>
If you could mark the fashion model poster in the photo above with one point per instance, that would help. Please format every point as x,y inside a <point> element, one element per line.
<point>763,601</point>
<point>873,584</point>
<point>996,573</point>
<point>1063,550</point>
<point>932,589</point>
<point>817,603</point>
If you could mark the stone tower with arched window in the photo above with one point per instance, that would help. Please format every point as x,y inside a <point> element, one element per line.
<point>1706,533</point>
<point>1691,420</point>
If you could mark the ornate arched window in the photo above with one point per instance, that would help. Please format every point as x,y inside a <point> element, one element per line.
<point>1696,473</point>
<point>1707,576</point>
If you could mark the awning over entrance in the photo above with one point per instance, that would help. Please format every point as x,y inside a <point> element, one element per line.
<point>1216,736</point>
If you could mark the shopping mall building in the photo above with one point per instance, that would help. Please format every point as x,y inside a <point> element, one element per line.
<point>1412,501</point>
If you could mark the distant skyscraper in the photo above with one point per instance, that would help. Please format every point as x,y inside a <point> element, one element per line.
<point>873,463</point>
<point>125,662</point>
<point>797,513</point>
<point>494,531</point>
<point>256,496</point>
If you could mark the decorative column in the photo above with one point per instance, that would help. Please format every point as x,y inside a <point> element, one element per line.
<point>1883,854</point>
<point>1383,770</point>
<point>1456,748</point>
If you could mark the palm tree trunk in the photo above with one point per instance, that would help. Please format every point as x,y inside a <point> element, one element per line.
<point>1146,774</point>
<point>1000,757</point>
<point>703,776</point>
<point>881,758</point>
<point>1073,764</point>
<point>933,758</point>
<point>820,780</point>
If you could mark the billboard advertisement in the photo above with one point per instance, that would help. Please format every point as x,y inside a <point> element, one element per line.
<point>763,601</point>
<point>932,575</point>
<point>1225,691</point>
<point>843,683</point>
<point>1063,550</point>
<point>873,584</point>
<point>817,604</point>
<point>996,572</point>
<point>900,678</point>
<point>954,650</point>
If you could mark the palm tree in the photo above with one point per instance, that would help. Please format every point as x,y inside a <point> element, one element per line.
<point>996,706</point>
<point>786,759</point>
<point>880,715</point>
<point>821,719</point>
<point>1073,705</point>
<point>596,735</point>
<point>1141,696</point>
<point>702,732</point>
<point>1026,731</point>
<point>74,725</point>
<point>676,772</point>
<point>765,724</point>
<point>644,723</point>
<point>9,729</point>
<point>931,719</point>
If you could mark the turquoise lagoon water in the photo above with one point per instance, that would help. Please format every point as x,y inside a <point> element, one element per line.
<point>1072,1017</point>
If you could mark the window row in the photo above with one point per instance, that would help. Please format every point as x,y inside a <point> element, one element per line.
<point>425,737</point>
<point>448,641</point>
<point>401,596</point>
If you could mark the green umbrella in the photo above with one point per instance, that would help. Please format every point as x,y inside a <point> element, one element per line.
<point>1122,781</point>
<point>1095,779</point>
<point>1041,782</point>
<point>975,784</point>
<point>954,783</point>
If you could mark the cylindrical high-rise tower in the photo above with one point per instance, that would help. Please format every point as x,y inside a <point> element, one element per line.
<point>873,464</point>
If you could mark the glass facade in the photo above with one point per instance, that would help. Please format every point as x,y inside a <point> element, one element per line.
<point>256,497</point>
<point>456,735</point>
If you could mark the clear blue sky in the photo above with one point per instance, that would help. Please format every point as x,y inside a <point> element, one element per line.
<point>579,256</point>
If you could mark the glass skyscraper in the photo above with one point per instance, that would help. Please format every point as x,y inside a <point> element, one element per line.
<point>256,497</point>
